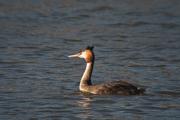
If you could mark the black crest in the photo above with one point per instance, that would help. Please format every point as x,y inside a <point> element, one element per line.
<point>89,48</point>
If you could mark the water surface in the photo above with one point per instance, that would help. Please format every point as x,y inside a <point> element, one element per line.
<point>137,41</point>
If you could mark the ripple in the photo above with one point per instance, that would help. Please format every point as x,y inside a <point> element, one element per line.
<point>130,24</point>
<point>104,101</point>
<point>169,93</point>
<point>169,25</point>
<point>17,62</point>
<point>170,106</point>
<point>77,18</point>
<point>143,65</point>
<point>138,23</point>
<point>28,47</point>
<point>102,8</point>
<point>170,14</point>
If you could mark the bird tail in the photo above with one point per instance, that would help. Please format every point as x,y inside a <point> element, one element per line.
<point>141,91</point>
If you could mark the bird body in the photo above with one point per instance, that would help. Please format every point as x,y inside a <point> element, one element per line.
<point>114,87</point>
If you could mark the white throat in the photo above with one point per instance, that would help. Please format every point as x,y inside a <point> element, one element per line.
<point>86,78</point>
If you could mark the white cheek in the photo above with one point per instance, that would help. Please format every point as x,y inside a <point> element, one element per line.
<point>83,55</point>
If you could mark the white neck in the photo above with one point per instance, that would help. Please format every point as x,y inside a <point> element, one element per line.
<point>86,78</point>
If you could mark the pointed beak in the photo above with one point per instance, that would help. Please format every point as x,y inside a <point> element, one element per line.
<point>75,55</point>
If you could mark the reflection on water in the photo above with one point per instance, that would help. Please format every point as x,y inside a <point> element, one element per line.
<point>136,41</point>
<point>85,104</point>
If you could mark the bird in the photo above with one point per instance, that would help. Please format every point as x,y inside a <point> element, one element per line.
<point>118,87</point>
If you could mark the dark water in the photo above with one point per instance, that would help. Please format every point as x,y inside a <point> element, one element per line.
<point>138,41</point>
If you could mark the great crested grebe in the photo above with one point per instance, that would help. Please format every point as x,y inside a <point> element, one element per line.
<point>115,87</point>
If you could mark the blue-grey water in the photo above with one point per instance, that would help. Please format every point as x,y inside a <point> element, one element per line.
<point>137,41</point>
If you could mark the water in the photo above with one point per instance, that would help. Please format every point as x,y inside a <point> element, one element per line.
<point>138,41</point>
